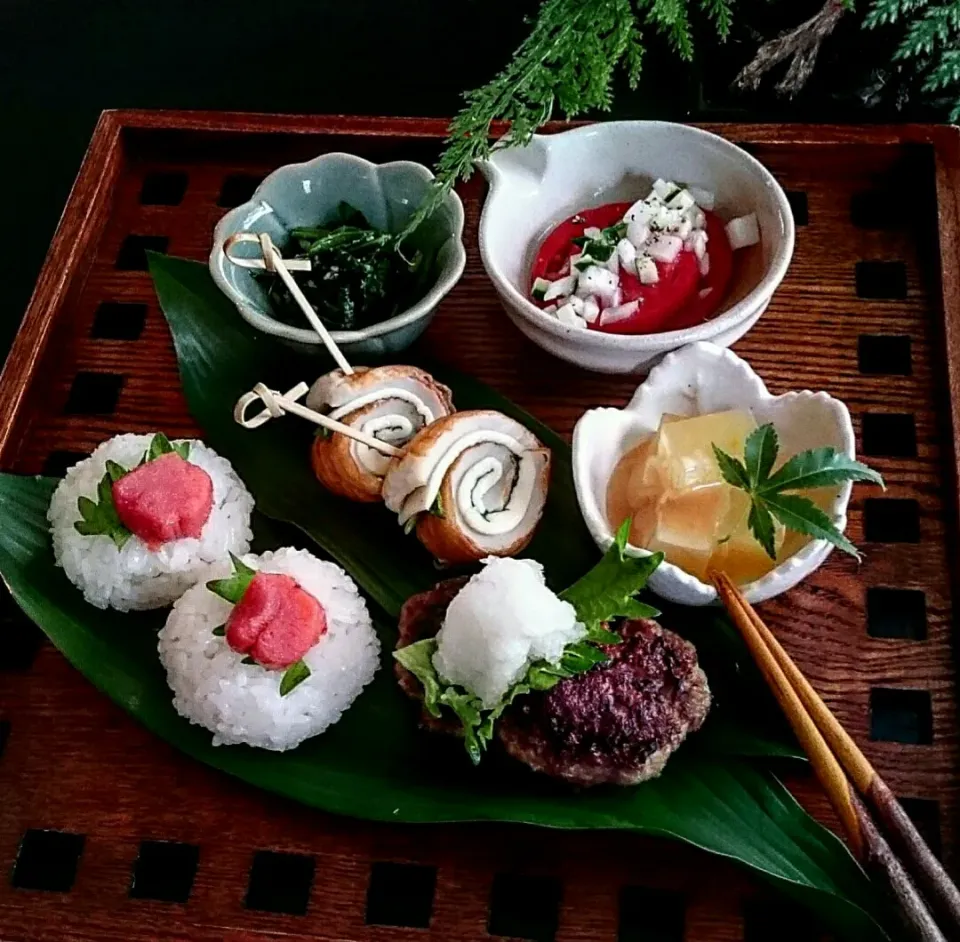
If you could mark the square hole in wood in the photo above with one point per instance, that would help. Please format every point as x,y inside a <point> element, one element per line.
<point>4,735</point>
<point>925,814</point>
<point>884,355</point>
<point>22,639</point>
<point>881,281</point>
<point>57,463</point>
<point>778,921</point>
<point>897,613</point>
<point>400,894</point>
<point>877,209</point>
<point>889,435</point>
<point>163,188</point>
<point>798,206</point>
<point>164,870</point>
<point>891,520</point>
<point>133,251</point>
<point>118,320</point>
<point>280,883</point>
<point>94,394</point>
<point>901,715</point>
<point>237,189</point>
<point>524,907</point>
<point>47,860</point>
<point>651,915</point>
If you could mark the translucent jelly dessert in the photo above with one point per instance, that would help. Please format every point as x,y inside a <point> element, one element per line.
<point>672,487</point>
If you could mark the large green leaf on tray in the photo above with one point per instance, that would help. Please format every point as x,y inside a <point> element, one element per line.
<point>221,358</point>
<point>375,764</point>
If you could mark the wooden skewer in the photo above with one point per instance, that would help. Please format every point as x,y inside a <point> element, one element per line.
<point>276,404</point>
<point>828,745</point>
<point>273,261</point>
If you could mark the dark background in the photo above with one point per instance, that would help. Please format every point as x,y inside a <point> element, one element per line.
<point>63,61</point>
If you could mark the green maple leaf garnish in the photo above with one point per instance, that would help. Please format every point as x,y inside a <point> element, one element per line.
<point>772,495</point>
<point>606,592</point>
<point>99,517</point>
<point>232,588</point>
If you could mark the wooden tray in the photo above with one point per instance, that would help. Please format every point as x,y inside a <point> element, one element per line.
<point>110,834</point>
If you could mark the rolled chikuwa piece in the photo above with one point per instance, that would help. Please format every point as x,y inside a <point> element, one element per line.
<point>472,484</point>
<point>389,403</point>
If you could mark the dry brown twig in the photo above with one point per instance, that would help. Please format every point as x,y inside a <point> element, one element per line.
<point>800,44</point>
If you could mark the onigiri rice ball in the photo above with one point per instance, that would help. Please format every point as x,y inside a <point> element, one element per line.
<point>136,576</point>
<point>238,699</point>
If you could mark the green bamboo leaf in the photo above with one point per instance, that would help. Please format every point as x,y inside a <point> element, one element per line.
<point>819,467</point>
<point>804,516</point>
<point>732,469</point>
<point>362,766</point>
<point>760,453</point>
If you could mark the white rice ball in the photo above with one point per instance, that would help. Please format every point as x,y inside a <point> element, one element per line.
<point>241,703</point>
<point>502,621</point>
<point>136,577</point>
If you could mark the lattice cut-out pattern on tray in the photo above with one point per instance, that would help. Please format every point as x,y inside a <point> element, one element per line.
<point>47,860</point>
<point>164,870</point>
<point>280,882</point>
<point>400,894</point>
<point>858,315</point>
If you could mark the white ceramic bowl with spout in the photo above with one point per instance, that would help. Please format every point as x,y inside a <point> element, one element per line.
<point>533,188</point>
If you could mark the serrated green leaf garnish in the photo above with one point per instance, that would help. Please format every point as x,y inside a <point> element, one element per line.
<point>770,494</point>
<point>606,592</point>
<point>293,676</point>
<point>220,631</point>
<point>100,518</point>
<point>248,660</point>
<point>232,588</point>
<point>161,445</point>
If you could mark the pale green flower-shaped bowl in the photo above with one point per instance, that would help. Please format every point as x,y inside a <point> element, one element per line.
<point>308,194</point>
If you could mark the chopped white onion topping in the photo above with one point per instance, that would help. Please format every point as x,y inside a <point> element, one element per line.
<point>647,270</point>
<point>600,282</point>
<point>592,232</point>
<point>665,248</point>
<point>743,231</point>
<point>550,309</point>
<point>697,243</point>
<point>612,264</point>
<point>641,212</point>
<point>662,188</point>
<point>591,310</point>
<point>568,316</point>
<point>705,265</point>
<point>637,233</point>
<point>620,313</point>
<point>627,255</point>
<point>560,288</point>
<point>704,198</point>
<point>681,201</point>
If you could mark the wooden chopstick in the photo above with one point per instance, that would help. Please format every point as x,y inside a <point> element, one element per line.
<point>831,751</point>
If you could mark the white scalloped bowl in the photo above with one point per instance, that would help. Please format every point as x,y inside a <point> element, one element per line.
<point>533,188</point>
<point>695,380</point>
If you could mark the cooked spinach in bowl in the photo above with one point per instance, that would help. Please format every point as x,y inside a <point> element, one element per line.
<point>360,275</point>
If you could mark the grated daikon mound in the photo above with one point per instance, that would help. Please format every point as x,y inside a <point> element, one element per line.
<point>502,621</point>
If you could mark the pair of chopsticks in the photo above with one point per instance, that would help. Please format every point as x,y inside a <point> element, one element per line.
<point>916,878</point>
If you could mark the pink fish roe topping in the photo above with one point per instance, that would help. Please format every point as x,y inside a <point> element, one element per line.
<point>164,500</point>
<point>276,622</point>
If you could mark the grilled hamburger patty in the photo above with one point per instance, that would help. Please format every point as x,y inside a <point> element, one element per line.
<point>422,617</point>
<point>619,722</point>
